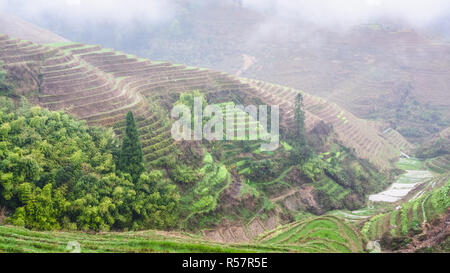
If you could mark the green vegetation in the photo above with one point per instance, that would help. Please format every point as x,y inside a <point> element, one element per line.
<point>396,225</point>
<point>5,87</point>
<point>299,119</point>
<point>318,234</point>
<point>436,152</point>
<point>412,119</point>
<point>301,151</point>
<point>188,99</point>
<point>339,178</point>
<point>440,164</point>
<point>131,159</point>
<point>20,240</point>
<point>203,197</point>
<point>438,146</point>
<point>443,247</point>
<point>409,164</point>
<point>58,173</point>
<point>2,74</point>
<point>286,146</point>
<point>199,172</point>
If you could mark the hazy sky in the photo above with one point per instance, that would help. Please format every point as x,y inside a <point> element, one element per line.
<point>349,12</point>
<point>322,12</point>
<point>110,10</point>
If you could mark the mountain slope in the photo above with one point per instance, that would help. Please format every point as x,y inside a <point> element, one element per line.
<point>17,27</point>
<point>101,85</point>
<point>235,179</point>
<point>377,147</point>
<point>370,70</point>
<point>383,71</point>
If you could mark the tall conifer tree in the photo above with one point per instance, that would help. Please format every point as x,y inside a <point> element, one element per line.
<point>299,117</point>
<point>301,152</point>
<point>131,159</point>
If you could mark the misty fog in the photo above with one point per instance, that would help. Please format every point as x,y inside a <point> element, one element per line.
<point>322,12</point>
<point>346,13</point>
<point>212,32</point>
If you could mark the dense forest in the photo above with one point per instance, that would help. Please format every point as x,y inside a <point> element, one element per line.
<point>57,172</point>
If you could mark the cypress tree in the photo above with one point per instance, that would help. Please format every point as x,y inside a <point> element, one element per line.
<point>131,159</point>
<point>301,152</point>
<point>299,118</point>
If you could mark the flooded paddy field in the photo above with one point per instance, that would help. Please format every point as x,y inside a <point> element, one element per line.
<point>405,183</point>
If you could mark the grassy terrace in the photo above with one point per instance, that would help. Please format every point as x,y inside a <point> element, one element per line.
<point>397,140</point>
<point>102,85</point>
<point>332,188</point>
<point>81,60</point>
<point>18,51</point>
<point>206,192</point>
<point>439,164</point>
<point>411,215</point>
<point>17,240</point>
<point>124,65</point>
<point>428,203</point>
<point>319,234</point>
<point>154,130</point>
<point>239,155</point>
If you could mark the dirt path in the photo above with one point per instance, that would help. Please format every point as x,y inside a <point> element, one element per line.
<point>284,196</point>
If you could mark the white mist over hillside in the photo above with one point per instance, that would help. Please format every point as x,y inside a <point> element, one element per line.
<point>332,14</point>
<point>345,13</point>
<point>81,11</point>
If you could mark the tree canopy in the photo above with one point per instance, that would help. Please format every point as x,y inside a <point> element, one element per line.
<point>57,172</point>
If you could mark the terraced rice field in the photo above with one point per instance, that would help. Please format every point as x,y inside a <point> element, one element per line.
<point>18,240</point>
<point>333,189</point>
<point>242,123</point>
<point>404,184</point>
<point>206,192</point>
<point>415,175</point>
<point>427,205</point>
<point>397,140</point>
<point>320,234</point>
<point>439,164</point>
<point>358,82</point>
<point>102,85</point>
<point>355,216</point>
<point>355,133</point>
<point>428,202</point>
